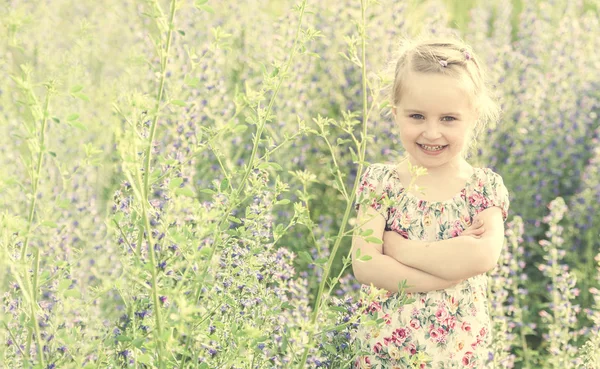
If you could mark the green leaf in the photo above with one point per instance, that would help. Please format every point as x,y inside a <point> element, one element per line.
<point>365,258</point>
<point>178,102</point>
<point>181,32</point>
<point>304,255</point>
<point>234,219</point>
<point>200,2</point>
<point>208,191</point>
<point>49,223</point>
<point>123,338</point>
<point>185,191</point>
<point>191,81</point>
<point>145,359</point>
<point>72,117</point>
<point>76,89</point>
<point>353,154</point>
<point>224,184</point>
<point>56,119</point>
<point>270,164</point>
<point>376,240</point>
<point>287,305</point>
<point>241,128</point>
<point>118,217</point>
<point>283,202</point>
<point>321,261</point>
<point>175,183</point>
<point>81,96</point>
<point>138,342</point>
<point>78,124</point>
<point>207,8</point>
<point>339,308</point>
<point>367,233</point>
<point>64,284</point>
<point>72,293</point>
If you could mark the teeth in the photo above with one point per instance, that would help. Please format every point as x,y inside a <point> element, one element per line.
<point>432,148</point>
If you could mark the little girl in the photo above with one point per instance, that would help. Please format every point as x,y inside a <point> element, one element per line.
<point>443,241</point>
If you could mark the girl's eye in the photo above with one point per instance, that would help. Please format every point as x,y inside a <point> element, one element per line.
<point>450,119</point>
<point>416,116</point>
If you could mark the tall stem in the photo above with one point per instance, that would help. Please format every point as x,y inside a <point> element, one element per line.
<point>146,190</point>
<point>349,207</point>
<point>260,128</point>
<point>32,285</point>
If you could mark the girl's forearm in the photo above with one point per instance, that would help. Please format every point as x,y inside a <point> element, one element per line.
<point>452,259</point>
<point>384,272</point>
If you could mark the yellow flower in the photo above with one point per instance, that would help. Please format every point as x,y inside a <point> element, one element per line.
<point>394,352</point>
<point>364,364</point>
<point>405,220</point>
<point>374,332</point>
<point>427,220</point>
<point>460,345</point>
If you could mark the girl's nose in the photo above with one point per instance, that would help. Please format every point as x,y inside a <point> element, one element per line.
<point>432,132</point>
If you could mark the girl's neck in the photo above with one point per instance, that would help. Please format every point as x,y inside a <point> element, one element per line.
<point>450,169</point>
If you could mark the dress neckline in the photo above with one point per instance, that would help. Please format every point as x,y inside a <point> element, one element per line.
<point>457,196</point>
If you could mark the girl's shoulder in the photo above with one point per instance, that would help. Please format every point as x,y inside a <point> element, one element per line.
<point>487,177</point>
<point>379,171</point>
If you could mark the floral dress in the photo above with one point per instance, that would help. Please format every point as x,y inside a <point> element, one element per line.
<point>441,329</point>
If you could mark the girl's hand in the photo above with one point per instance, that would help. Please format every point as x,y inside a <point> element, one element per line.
<point>392,243</point>
<point>475,230</point>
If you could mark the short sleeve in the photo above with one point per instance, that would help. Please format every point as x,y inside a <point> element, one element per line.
<point>372,190</point>
<point>490,192</point>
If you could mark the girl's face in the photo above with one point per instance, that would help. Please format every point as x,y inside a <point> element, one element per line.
<point>435,117</point>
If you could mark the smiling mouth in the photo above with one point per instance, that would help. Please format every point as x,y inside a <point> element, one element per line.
<point>432,148</point>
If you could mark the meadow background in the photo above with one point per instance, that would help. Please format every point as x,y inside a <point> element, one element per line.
<point>178,177</point>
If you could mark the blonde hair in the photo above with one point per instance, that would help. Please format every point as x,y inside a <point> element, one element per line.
<point>452,57</point>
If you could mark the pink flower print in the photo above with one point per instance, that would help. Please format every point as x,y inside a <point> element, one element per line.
<point>467,360</point>
<point>467,220</point>
<point>477,342</point>
<point>387,319</point>
<point>374,307</point>
<point>434,334</point>
<point>441,335</point>
<point>441,314</point>
<point>415,324</point>
<point>450,322</point>
<point>377,348</point>
<point>400,335</point>
<point>411,348</point>
<point>480,183</point>
<point>478,201</point>
<point>457,229</point>
<point>483,332</point>
<point>466,326</point>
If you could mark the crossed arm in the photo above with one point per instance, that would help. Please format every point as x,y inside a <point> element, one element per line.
<point>426,266</point>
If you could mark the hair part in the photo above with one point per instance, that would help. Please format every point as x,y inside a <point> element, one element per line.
<point>452,57</point>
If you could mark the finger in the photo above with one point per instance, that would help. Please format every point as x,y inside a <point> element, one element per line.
<point>479,231</point>
<point>476,225</point>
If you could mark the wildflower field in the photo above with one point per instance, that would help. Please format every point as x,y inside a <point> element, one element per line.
<point>178,177</point>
